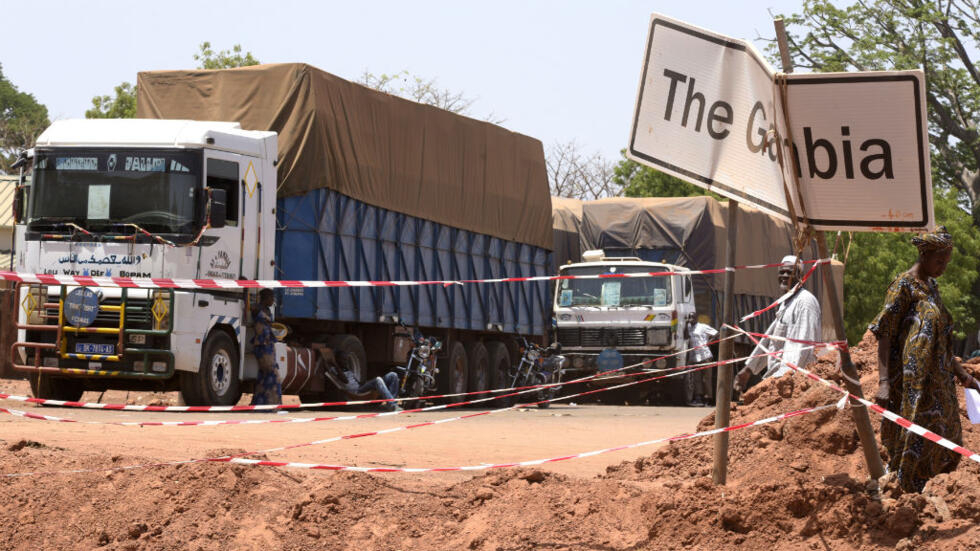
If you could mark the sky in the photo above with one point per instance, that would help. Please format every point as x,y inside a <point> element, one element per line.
<point>557,71</point>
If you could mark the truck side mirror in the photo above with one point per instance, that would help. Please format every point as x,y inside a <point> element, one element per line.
<point>219,208</point>
<point>17,205</point>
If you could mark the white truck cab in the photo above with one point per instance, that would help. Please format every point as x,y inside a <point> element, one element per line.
<point>641,317</point>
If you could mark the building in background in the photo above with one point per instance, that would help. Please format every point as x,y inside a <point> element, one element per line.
<point>8,184</point>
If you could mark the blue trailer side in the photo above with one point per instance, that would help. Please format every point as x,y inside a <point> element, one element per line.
<point>325,235</point>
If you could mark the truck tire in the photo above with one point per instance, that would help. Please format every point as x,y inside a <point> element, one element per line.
<point>478,374</point>
<point>499,366</point>
<point>216,382</point>
<point>352,350</point>
<point>46,387</point>
<point>452,373</point>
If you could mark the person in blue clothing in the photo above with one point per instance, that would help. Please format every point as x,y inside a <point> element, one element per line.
<point>268,387</point>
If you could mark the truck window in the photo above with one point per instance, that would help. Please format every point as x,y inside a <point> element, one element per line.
<point>687,289</point>
<point>640,291</point>
<point>224,175</point>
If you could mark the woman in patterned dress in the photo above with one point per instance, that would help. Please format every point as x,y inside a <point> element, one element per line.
<point>916,368</point>
<point>268,388</point>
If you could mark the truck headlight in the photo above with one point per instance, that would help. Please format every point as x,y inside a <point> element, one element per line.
<point>658,336</point>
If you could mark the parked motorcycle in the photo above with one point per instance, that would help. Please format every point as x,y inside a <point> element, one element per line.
<point>539,366</point>
<point>418,375</point>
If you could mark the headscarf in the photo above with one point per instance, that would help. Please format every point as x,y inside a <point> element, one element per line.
<point>793,260</point>
<point>939,240</point>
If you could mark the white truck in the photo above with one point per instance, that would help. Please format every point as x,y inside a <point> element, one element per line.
<point>298,198</point>
<point>642,318</point>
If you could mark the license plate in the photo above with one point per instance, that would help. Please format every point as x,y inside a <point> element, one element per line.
<point>92,348</point>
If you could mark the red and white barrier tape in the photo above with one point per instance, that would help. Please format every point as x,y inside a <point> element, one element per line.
<point>679,370</point>
<point>275,407</point>
<point>893,417</point>
<point>830,345</point>
<point>240,460</point>
<point>169,283</point>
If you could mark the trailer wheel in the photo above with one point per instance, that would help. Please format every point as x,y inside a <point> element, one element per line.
<point>46,387</point>
<point>352,351</point>
<point>216,382</point>
<point>452,374</point>
<point>499,358</point>
<point>478,376</point>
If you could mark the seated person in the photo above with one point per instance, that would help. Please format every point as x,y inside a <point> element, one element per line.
<point>386,388</point>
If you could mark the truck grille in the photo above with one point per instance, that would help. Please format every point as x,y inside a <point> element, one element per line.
<point>599,337</point>
<point>138,314</point>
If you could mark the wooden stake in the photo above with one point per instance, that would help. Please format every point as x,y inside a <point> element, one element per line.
<point>723,389</point>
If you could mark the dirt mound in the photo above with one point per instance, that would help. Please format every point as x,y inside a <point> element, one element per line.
<point>805,477</point>
<point>795,484</point>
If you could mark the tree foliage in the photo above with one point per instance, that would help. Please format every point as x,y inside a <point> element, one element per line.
<point>876,259</point>
<point>122,105</point>
<point>636,180</point>
<point>225,59</point>
<point>22,118</point>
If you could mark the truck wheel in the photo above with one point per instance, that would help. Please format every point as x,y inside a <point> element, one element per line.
<point>216,382</point>
<point>352,350</point>
<point>499,365</point>
<point>46,387</point>
<point>478,376</point>
<point>452,374</point>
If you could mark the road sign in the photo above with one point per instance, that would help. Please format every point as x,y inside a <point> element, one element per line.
<point>709,111</point>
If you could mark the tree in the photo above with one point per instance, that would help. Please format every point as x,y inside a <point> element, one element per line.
<point>123,104</point>
<point>876,259</point>
<point>636,180</point>
<point>572,173</point>
<point>423,90</point>
<point>225,59</point>
<point>22,118</point>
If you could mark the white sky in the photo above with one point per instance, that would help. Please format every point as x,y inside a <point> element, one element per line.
<point>554,70</point>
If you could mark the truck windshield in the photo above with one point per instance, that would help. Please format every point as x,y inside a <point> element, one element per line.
<point>638,291</point>
<point>100,190</point>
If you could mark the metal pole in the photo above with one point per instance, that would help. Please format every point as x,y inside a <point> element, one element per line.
<point>851,379</point>
<point>723,389</point>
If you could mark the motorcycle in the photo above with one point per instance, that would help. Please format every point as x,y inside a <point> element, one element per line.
<point>539,366</point>
<point>418,375</point>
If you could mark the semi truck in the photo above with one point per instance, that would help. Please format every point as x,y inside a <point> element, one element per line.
<point>277,172</point>
<point>646,318</point>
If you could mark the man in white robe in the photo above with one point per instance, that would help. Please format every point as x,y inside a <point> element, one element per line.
<point>797,318</point>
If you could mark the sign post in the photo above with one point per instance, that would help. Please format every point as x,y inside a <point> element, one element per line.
<point>869,444</point>
<point>711,111</point>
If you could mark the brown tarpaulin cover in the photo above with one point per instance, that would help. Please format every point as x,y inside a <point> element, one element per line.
<point>377,148</point>
<point>698,227</point>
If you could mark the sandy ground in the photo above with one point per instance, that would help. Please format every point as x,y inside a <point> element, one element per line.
<point>516,435</point>
<point>798,484</point>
